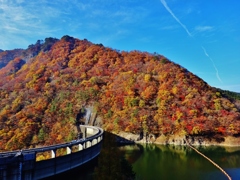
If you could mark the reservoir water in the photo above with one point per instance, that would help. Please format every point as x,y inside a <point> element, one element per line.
<point>154,162</point>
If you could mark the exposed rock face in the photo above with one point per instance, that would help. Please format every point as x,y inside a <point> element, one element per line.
<point>124,138</point>
<point>88,116</point>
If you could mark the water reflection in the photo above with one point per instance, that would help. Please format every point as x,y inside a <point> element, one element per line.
<point>109,165</point>
<point>180,162</point>
<point>112,164</point>
<point>153,162</point>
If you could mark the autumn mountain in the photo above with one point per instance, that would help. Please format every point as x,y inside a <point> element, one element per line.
<point>44,88</point>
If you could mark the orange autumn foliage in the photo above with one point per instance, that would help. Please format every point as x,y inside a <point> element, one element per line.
<point>43,87</point>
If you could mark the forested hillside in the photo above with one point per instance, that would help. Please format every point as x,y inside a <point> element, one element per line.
<point>6,56</point>
<point>44,87</point>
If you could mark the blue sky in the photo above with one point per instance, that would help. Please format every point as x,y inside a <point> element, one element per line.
<point>201,35</point>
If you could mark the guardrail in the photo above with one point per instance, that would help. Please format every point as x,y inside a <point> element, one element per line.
<point>23,164</point>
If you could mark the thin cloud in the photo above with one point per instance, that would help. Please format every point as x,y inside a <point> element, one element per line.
<point>200,28</point>
<point>203,28</point>
<point>205,52</point>
<point>32,19</point>
<point>173,15</point>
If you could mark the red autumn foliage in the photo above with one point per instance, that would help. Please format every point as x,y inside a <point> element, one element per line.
<point>43,89</point>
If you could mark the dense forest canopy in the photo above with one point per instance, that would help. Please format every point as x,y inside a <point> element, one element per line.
<point>44,87</point>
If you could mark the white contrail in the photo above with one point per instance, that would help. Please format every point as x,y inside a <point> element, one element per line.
<point>173,15</point>
<point>186,29</point>
<point>205,52</point>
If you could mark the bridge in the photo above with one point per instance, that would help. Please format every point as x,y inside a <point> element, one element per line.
<point>27,164</point>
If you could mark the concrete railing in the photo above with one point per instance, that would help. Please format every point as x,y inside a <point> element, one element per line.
<point>24,165</point>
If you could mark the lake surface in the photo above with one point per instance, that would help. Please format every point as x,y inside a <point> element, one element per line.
<point>154,162</point>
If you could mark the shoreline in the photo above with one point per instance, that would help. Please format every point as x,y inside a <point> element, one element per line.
<point>129,138</point>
